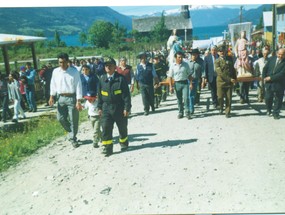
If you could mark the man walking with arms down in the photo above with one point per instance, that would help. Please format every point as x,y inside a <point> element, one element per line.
<point>66,85</point>
<point>274,78</point>
<point>180,72</point>
<point>225,80</point>
<point>211,74</point>
<point>114,104</point>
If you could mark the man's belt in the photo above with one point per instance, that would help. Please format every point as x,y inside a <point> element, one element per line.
<point>67,94</point>
<point>182,82</point>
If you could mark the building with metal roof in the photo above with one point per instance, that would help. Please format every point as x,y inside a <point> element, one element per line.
<point>182,23</point>
<point>11,40</point>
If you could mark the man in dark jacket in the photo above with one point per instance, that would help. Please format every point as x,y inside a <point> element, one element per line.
<point>114,104</point>
<point>274,78</point>
<point>211,74</point>
<point>145,75</point>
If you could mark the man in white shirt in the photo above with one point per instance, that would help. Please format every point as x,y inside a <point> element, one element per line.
<point>66,85</point>
<point>258,68</point>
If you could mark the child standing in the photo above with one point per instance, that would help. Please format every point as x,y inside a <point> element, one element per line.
<point>15,95</point>
<point>91,104</point>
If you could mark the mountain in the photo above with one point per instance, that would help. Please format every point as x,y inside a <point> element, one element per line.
<point>209,15</point>
<point>203,15</point>
<point>252,15</point>
<point>66,20</point>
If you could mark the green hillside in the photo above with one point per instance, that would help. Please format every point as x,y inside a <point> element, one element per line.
<point>66,20</point>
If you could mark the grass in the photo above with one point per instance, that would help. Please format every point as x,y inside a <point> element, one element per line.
<point>23,141</point>
<point>35,134</point>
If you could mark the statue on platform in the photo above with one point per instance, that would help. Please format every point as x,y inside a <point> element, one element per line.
<point>174,44</point>
<point>171,39</point>
<point>242,64</point>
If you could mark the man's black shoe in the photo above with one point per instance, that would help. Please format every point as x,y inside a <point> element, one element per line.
<point>276,117</point>
<point>220,111</point>
<point>124,146</point>
<point>180,116</point>
<point>146,113</point>
<point>268,113</point>
<point>74,143</point>
<point>107,150</point>
<point>95,145</point>
<point>14,120</point>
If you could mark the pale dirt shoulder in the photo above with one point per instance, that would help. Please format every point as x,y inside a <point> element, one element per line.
<point>209,164</point>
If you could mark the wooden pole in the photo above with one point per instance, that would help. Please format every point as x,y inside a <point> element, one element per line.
<point>273,29</point>
<point>6,59</point>
<point>35,62</point>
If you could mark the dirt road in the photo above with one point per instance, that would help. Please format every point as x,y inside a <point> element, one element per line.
<point>209,164</point>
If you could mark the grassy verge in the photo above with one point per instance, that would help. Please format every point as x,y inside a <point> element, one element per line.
<point>35,134</point>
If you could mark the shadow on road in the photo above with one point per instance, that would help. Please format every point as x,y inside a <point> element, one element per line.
<point>162,144</point>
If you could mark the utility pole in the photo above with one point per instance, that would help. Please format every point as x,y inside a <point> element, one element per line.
<point>240,14</point>
<point>273,29</point>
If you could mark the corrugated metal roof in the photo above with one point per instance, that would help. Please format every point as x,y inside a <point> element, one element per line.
<point>171,22</point>
<point>11,39</point>
<point>267,18</point>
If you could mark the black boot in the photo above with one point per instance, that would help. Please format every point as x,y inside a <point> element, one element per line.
<point>107,150</point>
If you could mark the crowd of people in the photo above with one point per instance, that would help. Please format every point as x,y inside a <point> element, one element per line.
<point>105,87</point>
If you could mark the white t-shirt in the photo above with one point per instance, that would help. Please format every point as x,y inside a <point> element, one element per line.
<point>66,81</point>
<point>92,108</point>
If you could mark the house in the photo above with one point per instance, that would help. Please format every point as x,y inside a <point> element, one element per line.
<point>280,23</point>
<point>182,23</point>
<point>267,26</point>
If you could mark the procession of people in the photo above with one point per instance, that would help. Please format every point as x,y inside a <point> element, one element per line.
<point>105,87</point>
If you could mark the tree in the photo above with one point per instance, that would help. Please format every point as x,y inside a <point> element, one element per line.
<point>100,34</point>
<point>82,38</point>
<point>119,33</point>
<point>57,38</point>
<point>160,32</point>
<point>260,24</point>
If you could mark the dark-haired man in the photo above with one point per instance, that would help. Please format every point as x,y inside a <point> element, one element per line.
<point>226,78</point>
<point>114,104</point>
<point>180,72</point>
<point>145,75</point>
<point>66,85</point>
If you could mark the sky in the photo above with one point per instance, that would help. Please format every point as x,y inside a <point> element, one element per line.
<point>142,10</point>
<point>53,3</point>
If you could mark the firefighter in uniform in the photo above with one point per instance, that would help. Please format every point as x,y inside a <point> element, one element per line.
<point>114,103</point>
<point>160,92</point>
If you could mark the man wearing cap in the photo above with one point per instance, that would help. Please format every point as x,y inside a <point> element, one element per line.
<point>114,104</point>
<point>226,78</point>
<point>160,92</point>
<point>145,75</point>
<point>180,72</point>
<point>196,65</point>
<point>66,85</point>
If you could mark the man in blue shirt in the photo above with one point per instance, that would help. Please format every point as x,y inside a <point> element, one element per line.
<point>30,87</point>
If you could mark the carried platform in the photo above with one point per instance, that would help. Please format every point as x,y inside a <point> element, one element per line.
<point>248,79</point>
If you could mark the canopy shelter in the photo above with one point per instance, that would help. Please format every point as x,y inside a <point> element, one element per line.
<point>12,39</point>
<point>207,44</point>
